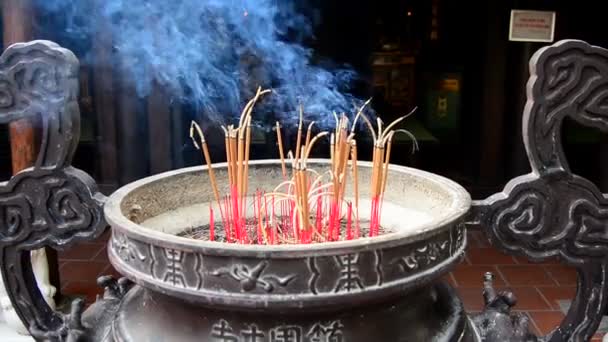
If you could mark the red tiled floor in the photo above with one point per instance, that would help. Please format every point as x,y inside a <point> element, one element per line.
<point>83,251</point>
<point>529,299</point>
<point>488,256</point>
<point>472,275</point>
<point>111,271</point>
<point>472,298</point>
<point>546,321</point>
<point>524,261</point>
<point>86,289</point>
<point>564,275</point>
<point>537,286</point>
<point>554,293</point>
<point>102,255</point>
<point>525,275</point>
<point>449,279</point>
<point>477,239</point>
<point>105,235</point>
<point>81,271</point>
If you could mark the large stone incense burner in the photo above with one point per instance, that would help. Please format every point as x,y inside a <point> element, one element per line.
<point>382,288</point>
<point>357,290</point>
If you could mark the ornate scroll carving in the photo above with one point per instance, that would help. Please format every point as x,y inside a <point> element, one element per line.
<point>201,275</point>
<point>40,78</point>
<point>551,212</point>
<point>250,278</point>
<point>51,204</point>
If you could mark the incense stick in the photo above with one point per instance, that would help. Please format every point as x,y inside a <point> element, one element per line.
<point>247,147</point>
<point>355,178</point>
<point>386,161</point>
<point>308,133</point>
<point>299,138</point>
<point>206,155</point>
<point>280,142</point>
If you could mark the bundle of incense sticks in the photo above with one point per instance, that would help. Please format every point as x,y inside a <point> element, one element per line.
<point>306,207</point>
<point>238,142</point>
<point>383,141</point>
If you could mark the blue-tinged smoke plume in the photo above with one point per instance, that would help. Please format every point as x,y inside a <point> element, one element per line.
<point>213,52</point>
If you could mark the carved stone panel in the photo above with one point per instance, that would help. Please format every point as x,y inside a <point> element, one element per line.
<point>203,276</point>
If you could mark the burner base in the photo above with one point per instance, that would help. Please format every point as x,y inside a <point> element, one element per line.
<point>434,313</point>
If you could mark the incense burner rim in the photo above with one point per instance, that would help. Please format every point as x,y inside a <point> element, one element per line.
<point>460,205</point>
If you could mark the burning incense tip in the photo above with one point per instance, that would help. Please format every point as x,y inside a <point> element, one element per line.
<point>194,126</point>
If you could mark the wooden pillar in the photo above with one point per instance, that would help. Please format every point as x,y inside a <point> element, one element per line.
<point>131,125</point>
<point>17,20</point>
<point>104,102</point>
<point>519,74</point>
<point>491,168</point>
<point>159,128</point>
<point>16,16</point>
<point>179,138</point>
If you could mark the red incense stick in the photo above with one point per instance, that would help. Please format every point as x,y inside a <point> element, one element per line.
<point>211,225</point>
<point>349,233</point>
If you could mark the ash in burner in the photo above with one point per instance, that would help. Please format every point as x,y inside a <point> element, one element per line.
<point>283,237</point>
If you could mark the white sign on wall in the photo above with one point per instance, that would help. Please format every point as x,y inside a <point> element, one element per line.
<point>532,26</point>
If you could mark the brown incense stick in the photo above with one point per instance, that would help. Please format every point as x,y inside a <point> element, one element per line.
<point>343,173</point>
<point>376,170</point>
<point>299,138</point>
<point>233,155</point>
<point>309,133</point>
<point>240,157</point>
<point>227,144</point>
<point>387,161</point>
<point>302,197</point>
<point>332,147</point>
<point>312,143</point>
<point>280,142</point>
<point>247,147</point>
<point>207,157</point>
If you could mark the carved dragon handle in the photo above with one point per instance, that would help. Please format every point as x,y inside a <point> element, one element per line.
<point>552,212</point>
<point>51,204</point>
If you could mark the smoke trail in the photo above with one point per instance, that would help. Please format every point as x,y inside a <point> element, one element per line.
<point>212,52</point>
